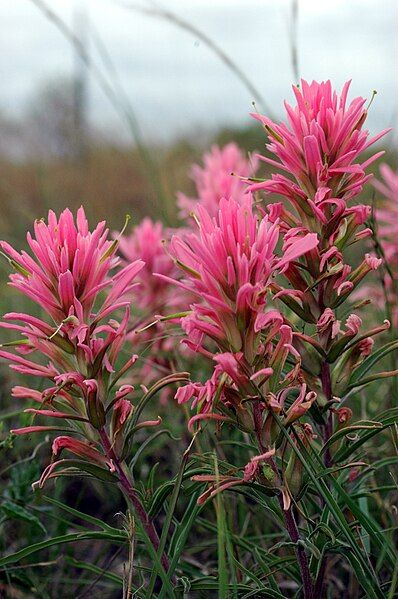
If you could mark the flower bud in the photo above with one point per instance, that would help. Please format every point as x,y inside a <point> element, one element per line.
<point>294,474</point>
<point>95,408</point>
<point>122,410</point>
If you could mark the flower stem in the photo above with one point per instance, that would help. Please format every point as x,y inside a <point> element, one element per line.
<point>327,432</point>
<point>131,494</point>
<point>291,527</point>
<point>290,523</point>
<point>328,428</point>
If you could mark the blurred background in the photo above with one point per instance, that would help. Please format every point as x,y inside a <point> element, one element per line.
<point>107,102</point>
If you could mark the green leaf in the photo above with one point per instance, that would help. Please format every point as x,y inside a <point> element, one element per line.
<point>170,513</point>
<point>362,425</point>
<point>311,547</point>
<point>394,582</point>
<point>61,540</point>
<point>371,360</point>
<point>182,531</point>
<point>177,377</point>
<point>18,512</point>
<point>269,593</point>
<point>221,540</point>
<point>83,466</point>
<point>365,573</point>
<point>155,558</point>
<point>366,522</point>
<point>212,584</point>
<point>83,516</point>
<point>163,491</point>
<point>386,419</point>
<point>92,568</point>
<point>377,376</point>
<point>145,444</point>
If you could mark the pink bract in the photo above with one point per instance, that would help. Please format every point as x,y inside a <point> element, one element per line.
<point>321,143</point>
<point>229,266</point>
<point>80,343</point>
<point>69,267</point>
<point>220,177</point>
<point>146,242</point>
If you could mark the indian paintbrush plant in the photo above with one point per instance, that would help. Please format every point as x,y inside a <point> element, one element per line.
<point>264,282</point>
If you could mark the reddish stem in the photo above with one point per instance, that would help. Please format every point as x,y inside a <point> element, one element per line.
<point>128,490</point>
<point>327,433</point>
<point>291,527</point>
<point>290,523</point>
<point>320,579</point>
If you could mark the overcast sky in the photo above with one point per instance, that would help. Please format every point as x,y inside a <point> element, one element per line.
<point>177,85</point>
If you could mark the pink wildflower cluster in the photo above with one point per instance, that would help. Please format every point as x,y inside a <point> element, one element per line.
<point>224,283</point>
<point>146,243</point>
<point>264,366</point>
<point>229,266</point>
<point>320,147</point>
<point>220,177</point>
<point>70,277</point>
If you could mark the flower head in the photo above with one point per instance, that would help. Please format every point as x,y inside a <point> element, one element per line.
<point>153,296</point>
<point>320,145</point>
<point>220,177</point>
<point>228,266</point>
<point>387,214</point>
<point>78,342</point>
<point>146,242</point>
<point>69,268</point>
<point>386,219</point>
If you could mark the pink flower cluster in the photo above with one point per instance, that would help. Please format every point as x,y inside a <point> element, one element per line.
<point>146,243</point>
<point>220,177</point>
<point>232,267</point>
<point>70,277</point>
<point>320,145</point>
<point>223,282</point>
<point>229,266</point>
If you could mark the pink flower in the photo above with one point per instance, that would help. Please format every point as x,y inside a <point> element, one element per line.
<point>220,177</point>
<point>388,187</point>
<point>69,267</point>
<point>79,343</point>
<point>228,266</point>
<point>365,347</point>
<point>154,296</point>
<point>353,324</point>
<point>202,395</point>
<point>146,242</point>
<point>387,226</point>
<point>320,145</point>
<point>82,449</point>
<point>327,324</point>
<point>320,148</point>
<point>79,448</point>
<point>386,217</point>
